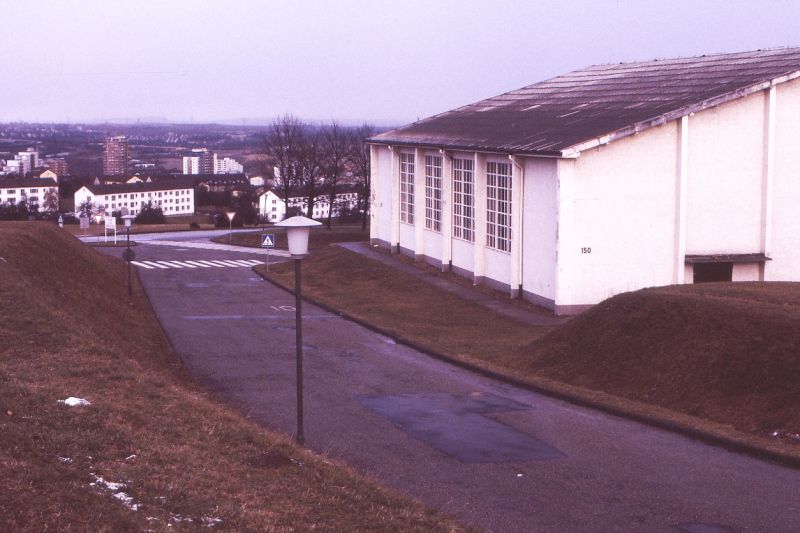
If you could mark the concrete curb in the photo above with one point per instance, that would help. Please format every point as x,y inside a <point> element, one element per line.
<point>740,445</point>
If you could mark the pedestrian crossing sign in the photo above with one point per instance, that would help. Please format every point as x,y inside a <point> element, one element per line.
<point>268,240</point>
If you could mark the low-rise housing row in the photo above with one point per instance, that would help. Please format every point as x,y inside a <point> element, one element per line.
<point>272,206</point>
<point>174,197</point>
<point>31,190</point>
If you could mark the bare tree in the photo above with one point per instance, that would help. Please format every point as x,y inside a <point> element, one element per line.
<point>86,208</point>
<point>360,160</point>
<point>310,167</point>
<point>337,143</point>
<point>282,146</point>
<point>51,201</point>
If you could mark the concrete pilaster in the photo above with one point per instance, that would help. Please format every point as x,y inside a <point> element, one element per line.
<point>479,258</point>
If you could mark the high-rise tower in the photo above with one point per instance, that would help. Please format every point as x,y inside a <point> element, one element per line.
<point>116,156</point>
<point>200,161</point>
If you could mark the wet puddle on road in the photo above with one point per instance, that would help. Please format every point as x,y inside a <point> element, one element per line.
<point>457,425</point>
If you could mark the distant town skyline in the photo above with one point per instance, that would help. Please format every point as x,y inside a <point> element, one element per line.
<point>245,62</point>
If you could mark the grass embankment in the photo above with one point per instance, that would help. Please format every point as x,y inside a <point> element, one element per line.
<point>98,229</point>
<point>69,329</point>
<point>318,238</point>
<point>720,359</point>
<point>727,352</point>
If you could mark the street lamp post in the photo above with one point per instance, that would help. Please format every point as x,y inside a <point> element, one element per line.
<point>297,230</point>
<point>128,255</point>
<point>230,215</point>
<point>97,218</point>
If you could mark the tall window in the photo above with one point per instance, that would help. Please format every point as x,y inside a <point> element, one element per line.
<point>407,188</point>
<point>464,199</point>
<point>498,206</point>
<point>433,192</point>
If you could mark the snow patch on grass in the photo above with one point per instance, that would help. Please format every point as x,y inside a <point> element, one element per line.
<point>75,402</point>
<point>116,491</point>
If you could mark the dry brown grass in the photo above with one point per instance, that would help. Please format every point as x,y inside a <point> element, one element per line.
<point>714,359</point>
<point>319,237</point>
<point>727,352</point>
<point>98,229</point>
<point>408,308</point>
<point>69,329</point>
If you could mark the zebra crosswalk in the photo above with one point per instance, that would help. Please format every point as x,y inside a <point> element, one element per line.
<point>204,263</point>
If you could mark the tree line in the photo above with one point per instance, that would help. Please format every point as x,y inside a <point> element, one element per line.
<point>313,162</point>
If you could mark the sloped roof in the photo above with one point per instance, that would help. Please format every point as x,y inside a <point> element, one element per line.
<point>14,183</point>
<point>122,188</point>
<point>590,106</point>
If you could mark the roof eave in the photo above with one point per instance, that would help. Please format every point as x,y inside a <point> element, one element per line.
<point>472,148</point>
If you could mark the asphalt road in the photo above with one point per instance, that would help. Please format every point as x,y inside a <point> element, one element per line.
<point>488,453</point>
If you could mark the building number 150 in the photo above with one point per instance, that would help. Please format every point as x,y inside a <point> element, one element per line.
<point>586,250</point>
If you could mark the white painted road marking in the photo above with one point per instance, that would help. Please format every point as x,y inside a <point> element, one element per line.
<point>205,245</point>
<point>197,263</point>
<point>152,263</point>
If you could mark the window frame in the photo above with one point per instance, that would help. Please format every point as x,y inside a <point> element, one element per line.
<point>499,189</point>
<point>407,166</point>
<point>434,165</point>
<point>464,199</point>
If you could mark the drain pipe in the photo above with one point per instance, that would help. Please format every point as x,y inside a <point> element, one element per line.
<point>518,193</point>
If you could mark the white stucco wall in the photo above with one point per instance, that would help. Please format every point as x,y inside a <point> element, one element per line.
<point>271,205</point>
<point>498,266</point>
<point>382,202</point>
<point>617,217</point>
<point>745,272</point>
<point>80,196</point>
<point>432,244</point>
<point>723,187</point>
<point>540,228</point>
<point>407,236</point>
<point>785,245</point>
<point>463,254</point>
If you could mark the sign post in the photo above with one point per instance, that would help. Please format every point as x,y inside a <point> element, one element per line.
<point>111,224</point>
<point>268,242</point>
<point>97,218</point>
<point>85,224</point>
<point>230,215</point>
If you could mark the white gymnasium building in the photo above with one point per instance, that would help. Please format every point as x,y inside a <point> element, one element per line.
<point>605,180</point>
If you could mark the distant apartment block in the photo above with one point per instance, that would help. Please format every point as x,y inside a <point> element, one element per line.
<point>116,156</point>
<point>58,165</point>
<point>201,161</point>
<point>227,165</point>
<point>12,166</point>
<point>175,197</point>
<point>22,163</point>
<point>29,160</point>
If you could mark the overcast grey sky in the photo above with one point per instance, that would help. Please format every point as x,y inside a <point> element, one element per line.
<point>388,62</point>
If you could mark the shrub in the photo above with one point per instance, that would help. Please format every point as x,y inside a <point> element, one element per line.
<point>150,214</point>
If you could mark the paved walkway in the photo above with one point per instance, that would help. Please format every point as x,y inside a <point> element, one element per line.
<point>494,455</point>
<point>497,304</point>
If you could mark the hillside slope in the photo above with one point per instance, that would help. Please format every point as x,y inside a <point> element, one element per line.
<point>152,451</point>
<point>729,352</point>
